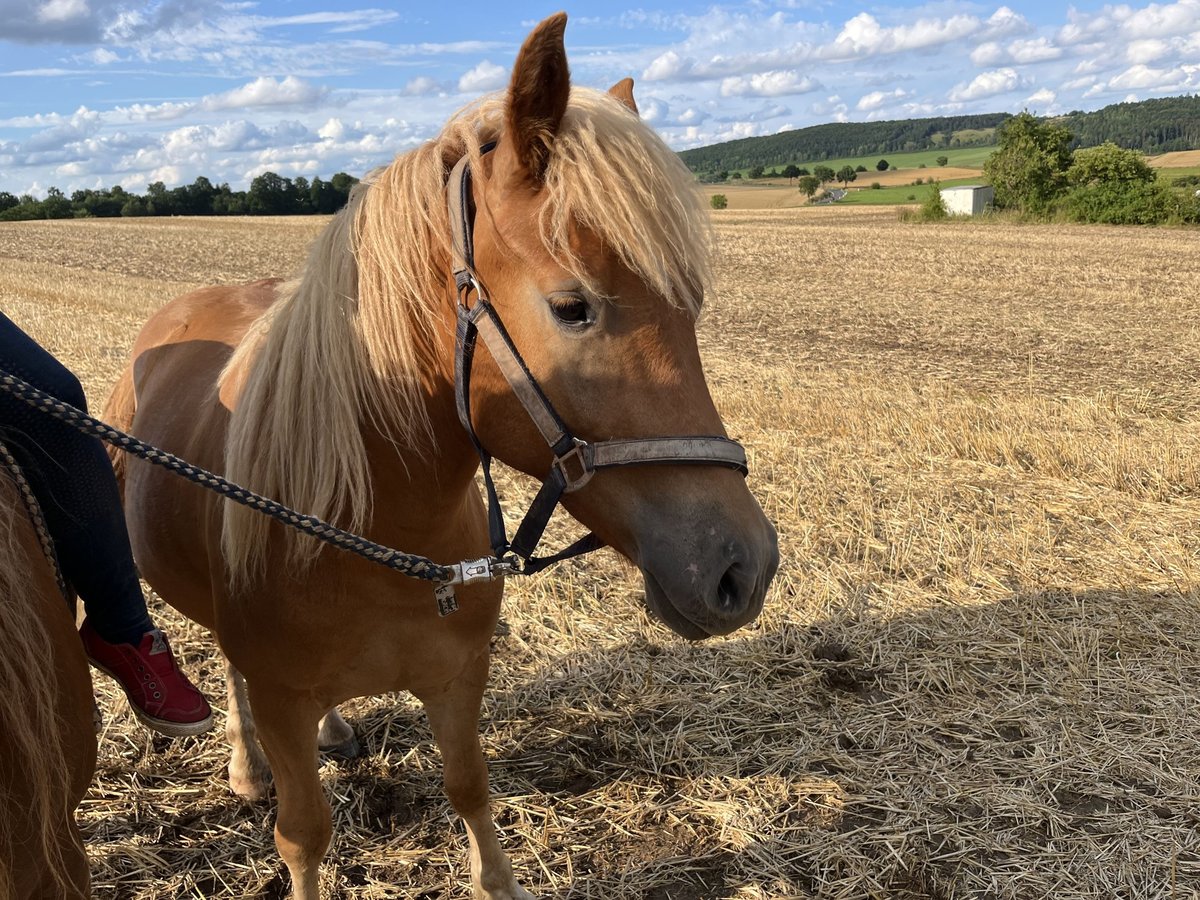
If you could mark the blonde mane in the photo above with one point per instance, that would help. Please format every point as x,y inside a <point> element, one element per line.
<point>31,729</point>
<point>345,345</point>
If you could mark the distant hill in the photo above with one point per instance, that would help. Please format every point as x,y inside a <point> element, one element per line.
<point>840,139</point>
<point>1153,126</point>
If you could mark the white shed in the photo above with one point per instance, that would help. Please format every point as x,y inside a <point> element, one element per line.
<point>968,200</point>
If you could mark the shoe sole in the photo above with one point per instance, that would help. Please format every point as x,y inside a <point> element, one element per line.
<point>162,726</point>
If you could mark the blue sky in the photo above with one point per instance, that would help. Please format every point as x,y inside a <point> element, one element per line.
<point>101,92</point>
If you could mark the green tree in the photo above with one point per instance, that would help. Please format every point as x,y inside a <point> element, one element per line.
<point>158,200</point>
<point>1029,168</point>
<point>56,205</point>
<point>882,165</point>
<point>342,184</point>
<point>943,160</point>
<point>271,195</point>
<point>846,174</point>
<point>823,174</point>
<point>718,201</point>
<point>1116,186</point>
<point>199,197</point>
<point>934,207</point>
<point>7,200</point>
<point>134,206</point>
<point>756,171</point>
<point>809,185</point>
<point>1108,163</point>
<point>790,171</point>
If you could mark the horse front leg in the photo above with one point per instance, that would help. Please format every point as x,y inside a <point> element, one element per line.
<point>287,727</point>
<point>454,717</point>
<point>249,772</point>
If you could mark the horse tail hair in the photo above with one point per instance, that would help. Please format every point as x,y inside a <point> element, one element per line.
<point>37,833</point>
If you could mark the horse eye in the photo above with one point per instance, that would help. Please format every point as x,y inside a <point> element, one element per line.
<point>573,311</point>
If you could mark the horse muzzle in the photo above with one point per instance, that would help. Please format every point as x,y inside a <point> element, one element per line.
<point>704,594</point>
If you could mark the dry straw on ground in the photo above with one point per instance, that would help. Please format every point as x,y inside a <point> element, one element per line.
<point>977,673</point>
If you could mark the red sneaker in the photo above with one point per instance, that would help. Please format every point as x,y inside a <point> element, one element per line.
<point>160,694</point>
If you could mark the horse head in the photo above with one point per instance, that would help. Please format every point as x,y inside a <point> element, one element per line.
<point>593,248</point>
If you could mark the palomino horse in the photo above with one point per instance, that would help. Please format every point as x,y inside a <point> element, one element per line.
<point>336,395</point>
<point>47,738</point>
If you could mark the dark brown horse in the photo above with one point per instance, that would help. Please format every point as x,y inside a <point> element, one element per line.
<point>47,738</point>
<point>335,394</point>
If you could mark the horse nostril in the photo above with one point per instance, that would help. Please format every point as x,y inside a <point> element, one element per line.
<point>727,591</point>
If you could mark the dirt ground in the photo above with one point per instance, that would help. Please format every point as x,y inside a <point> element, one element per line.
<point>976,673</point>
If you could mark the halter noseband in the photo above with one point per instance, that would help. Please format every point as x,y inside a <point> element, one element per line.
<point>575,460</point>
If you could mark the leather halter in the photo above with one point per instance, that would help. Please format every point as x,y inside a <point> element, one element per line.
<point>575,460</point>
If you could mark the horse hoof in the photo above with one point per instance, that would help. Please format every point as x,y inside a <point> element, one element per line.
<point>346,750</point>
<point>249,787</point>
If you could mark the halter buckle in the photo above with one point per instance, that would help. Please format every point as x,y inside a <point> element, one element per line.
<point>467,284</point>
<point>574,459</point>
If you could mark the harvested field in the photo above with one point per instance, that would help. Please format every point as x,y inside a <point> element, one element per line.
<point>1177,159</point>
<point>976,675</point>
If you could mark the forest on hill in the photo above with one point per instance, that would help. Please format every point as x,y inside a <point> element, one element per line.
<point>1152,126</point>
<point>839,139</point>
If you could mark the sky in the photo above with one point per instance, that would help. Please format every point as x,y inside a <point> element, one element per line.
<point>101,92</point>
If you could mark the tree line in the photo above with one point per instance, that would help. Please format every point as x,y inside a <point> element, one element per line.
<point>1152,126</point>
<point>841,139</point>
<point>268,195</point>
<point>1036,173</point>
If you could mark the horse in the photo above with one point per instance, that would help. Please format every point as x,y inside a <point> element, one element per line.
<point>336,394</point>
<point>47,736</point>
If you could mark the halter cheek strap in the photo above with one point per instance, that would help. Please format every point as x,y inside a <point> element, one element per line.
<point>575,461</point>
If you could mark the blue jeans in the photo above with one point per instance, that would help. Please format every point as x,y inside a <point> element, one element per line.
<point>73,481</point>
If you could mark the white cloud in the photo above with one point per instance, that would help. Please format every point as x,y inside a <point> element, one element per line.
<point>988,54</point>
<point>664,67</point>
<point>1033,51</point>
<point>863,36</point>
<point>266,91</point>
<point>352,20</point>
<point>987,84</point>
<point>421,86</point>
<point>1161,20</point>
<point>831,107</point>
<point>57,11</point>
<point>1005,23</point>
<point>487,76</point>
<point>1041,99</point>
<point>103,57</point>
<point>767,84</point>
<point>1147,50</point>
<point>1146,77</point>
<point>876,99</point>
<point>652,109</point>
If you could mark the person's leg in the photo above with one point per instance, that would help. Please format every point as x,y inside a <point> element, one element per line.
<point>73,481</point>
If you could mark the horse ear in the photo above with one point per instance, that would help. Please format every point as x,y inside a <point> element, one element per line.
<point>623,91</point>
<point>537,95</point>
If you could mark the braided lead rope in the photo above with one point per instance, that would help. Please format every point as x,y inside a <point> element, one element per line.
<point>34,509</point>
<point>404,563</point>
